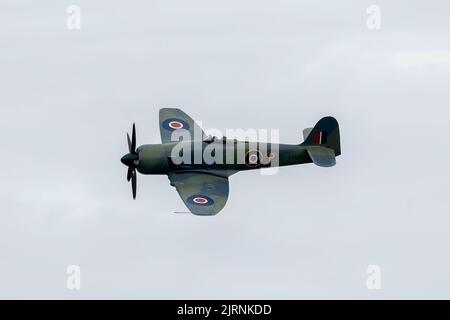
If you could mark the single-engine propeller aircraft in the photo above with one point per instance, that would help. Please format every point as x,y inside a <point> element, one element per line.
<point>202,183</point>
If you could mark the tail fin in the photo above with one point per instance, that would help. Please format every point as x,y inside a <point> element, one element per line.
<point>323,142</point>
<point>325,133</point>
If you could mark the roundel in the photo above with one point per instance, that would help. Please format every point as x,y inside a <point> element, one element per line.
<point>174,124</point>
<point>200,200</point>
<point>253,158</point>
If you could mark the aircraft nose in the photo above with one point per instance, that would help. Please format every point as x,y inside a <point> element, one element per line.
<point>128,159</point>
<point>124,159</point>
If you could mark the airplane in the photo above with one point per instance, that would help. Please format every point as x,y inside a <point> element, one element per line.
<point>203,185</point>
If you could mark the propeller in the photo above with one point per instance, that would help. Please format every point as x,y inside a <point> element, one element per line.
<point>131,160</point>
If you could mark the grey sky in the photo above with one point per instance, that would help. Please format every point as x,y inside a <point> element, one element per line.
<point>69,97</point>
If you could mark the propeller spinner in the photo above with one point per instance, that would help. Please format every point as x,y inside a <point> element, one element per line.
<point>131,160</point>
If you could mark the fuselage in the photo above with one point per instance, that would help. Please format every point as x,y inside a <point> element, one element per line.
<point>223,157</point>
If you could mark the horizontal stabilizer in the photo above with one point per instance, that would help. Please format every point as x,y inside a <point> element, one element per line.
<point>306,132</point>
<point>322,156</point>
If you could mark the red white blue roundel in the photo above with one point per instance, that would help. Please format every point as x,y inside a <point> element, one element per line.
<point>200,200</point>
<point>174,124</point>
<point>253,158</point>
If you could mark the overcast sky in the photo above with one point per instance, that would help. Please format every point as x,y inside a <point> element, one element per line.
<point>67,99</point>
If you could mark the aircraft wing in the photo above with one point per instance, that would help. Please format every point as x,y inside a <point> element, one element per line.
<point>171,119</point>
<point>204,194</point>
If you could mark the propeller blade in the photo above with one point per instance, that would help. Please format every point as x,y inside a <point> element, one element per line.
<point>129,143</point>
<point>133,140</point>
<point>131,160</point>
<point>129,173</point>
<point>133,183</point>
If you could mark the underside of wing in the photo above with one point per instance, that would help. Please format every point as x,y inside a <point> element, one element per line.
<point>203,194</point>
<point>172,119</point>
